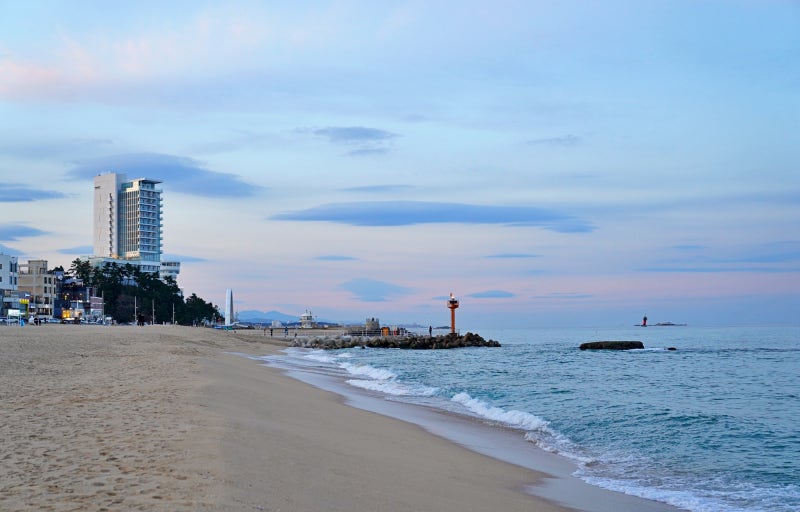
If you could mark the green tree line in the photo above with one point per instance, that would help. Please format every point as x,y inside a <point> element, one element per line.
<point>127,292</point>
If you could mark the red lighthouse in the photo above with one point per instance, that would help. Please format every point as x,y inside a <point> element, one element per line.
<point>452,304</point>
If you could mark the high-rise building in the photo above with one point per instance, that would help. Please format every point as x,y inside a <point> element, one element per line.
<point>127,222</point>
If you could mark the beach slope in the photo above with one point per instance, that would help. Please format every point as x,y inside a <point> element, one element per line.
<point>175,418</point>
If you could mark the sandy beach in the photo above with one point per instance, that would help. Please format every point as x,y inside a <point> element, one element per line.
<point>170,418</point>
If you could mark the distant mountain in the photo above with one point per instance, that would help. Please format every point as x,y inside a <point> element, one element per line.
<point>264,317</point>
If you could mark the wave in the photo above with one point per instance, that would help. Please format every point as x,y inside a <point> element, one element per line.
<point>391,387</point>
<point>512,418</point>
<point>366,370</point>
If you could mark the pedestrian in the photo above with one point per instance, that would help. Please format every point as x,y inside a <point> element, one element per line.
<point>430,331</point>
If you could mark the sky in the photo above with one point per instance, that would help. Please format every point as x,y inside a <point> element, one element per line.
<point>548,162</point>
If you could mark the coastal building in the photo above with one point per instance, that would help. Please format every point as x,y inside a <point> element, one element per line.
<point>8,284</point>
<point>40,285</point>
<point>128,224</point>
<point>170,269</point>
<point>307,320</point>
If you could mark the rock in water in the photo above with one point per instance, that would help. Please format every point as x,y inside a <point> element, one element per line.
<point>611,345</point>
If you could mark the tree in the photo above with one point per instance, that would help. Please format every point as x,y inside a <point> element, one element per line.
<point>126,289</point>
<point>196,310</point>
<point>81,269</point>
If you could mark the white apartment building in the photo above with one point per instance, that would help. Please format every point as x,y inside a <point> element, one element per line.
<point>127,223</point>
<point>171,269</point>
<point>8,283</point>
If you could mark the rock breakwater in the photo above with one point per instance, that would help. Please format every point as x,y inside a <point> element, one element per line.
<point>408,341</point>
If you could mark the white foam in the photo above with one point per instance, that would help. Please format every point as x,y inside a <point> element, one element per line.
<point>512,418</point>
<point>684,499</point>
<point>367,371</point>
<point>391,387</point>
<point>321,357</point>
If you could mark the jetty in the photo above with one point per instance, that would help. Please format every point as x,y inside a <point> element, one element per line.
<point>407,341</point>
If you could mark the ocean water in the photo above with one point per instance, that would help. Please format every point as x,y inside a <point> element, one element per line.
<point>711,426</point>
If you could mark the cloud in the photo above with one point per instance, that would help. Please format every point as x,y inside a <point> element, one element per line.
<point>179,174</point>
<point>18,193</point>
<point>512,256</point>
<point>716,270</point>
<point>763,258</point>
<point>491,294</point>
<point>353,134</point>
<point>380,189</point>
<point>112,64</point>
<point>4,249</point>
<point>182,258</point>
<point>406,213</point>
<point>13,232</point>
<point>776,252</point>
<point>81,249</point>
<point>563,141</point>
<point>335,257</point>
<point>564,296</point>
<point>366,141</point>
<point>367,152</point>
<point>370,290</point>
<point>43,150</point>
<point>689,247</point>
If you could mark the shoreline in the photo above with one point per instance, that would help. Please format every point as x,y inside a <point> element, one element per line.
<point>502,443</point>
<point>169,418</point>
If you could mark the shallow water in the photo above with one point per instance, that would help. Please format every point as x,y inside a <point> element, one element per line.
<point>711,426</point>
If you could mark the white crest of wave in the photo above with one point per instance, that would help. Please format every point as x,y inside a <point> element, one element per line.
<point>391,387</point>
<point>519,419</point>
<point>367,371</point>
<point>320,356</point>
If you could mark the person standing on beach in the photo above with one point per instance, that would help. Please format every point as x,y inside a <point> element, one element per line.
<point>430,331</point>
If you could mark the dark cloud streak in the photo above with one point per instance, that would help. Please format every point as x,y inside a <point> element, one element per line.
<point>562,141</point>
<point>492,294</point>
<point>179,174</point>
<point>353,134</point>
<point>13,232</point>
<point>406,213</point>
<point>19,193</point>
<point>371,290</point>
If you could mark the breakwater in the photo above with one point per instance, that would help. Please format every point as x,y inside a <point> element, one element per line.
<point>407,341</point>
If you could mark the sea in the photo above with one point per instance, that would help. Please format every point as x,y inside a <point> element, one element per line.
<point>711,426</point>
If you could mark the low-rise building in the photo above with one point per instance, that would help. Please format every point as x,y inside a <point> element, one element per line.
<point>34,279</point>
<point>8,284</point>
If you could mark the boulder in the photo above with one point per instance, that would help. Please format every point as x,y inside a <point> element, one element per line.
<point>611,345</point>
